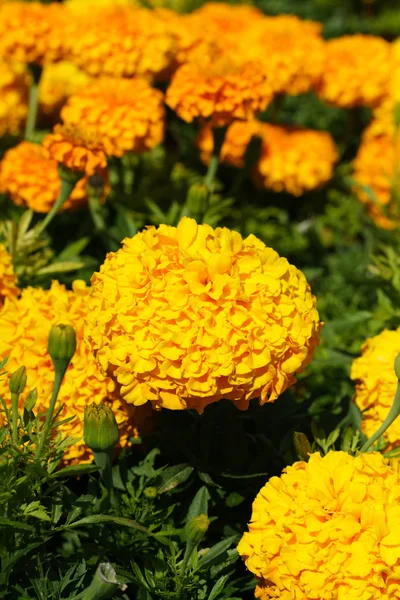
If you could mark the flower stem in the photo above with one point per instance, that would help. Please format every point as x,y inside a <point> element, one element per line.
<point>219,136</point>
<point>33,104</point>
<point>104,461</point>
<point>393,414</point>
<point>65,191</point>
<point>14,416</point>
<point>59,376</point>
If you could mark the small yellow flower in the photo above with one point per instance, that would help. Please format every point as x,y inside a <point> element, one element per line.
<point>8,279</point>
<point>327,529</point>
<point>58,82</point>
<point>14,81</point>
<point>376,384</point>
<point>128,114</point>
<point>25,326</point>
<point>185,316</point>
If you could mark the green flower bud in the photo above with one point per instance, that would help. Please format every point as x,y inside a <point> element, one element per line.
<point>196,528</point>
<point>197,200</point>
<point>150,492</point>
<point>100,430</point>
<point>61,345</point>
<point>18,381</point>
<point>302,445</point>
<point>397,366</point>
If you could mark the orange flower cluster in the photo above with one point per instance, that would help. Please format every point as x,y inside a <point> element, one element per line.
<point>58,82</point>
<point>14,81</point>
<point>8,280</point>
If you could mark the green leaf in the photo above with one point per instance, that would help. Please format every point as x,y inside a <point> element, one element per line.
<point>3,362</point>
<point>73,250</point>
<point>15,524</point>
<point>199,505</point>
<point>95,519</point>
<point>35,509</point>
<point>216,552</point>
<point>30,400</point>
<point>218,587</point>
<point>234,499</point>
<point>74,471</point>
<point>172,477</point>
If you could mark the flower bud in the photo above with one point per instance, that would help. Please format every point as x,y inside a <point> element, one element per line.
<point>150,492</point>
<point>61,345</point>
<point>196,528</point>
<point>197,200</point>
<point>397,366</point>
<point>100,430</point>
<point>18,381</point>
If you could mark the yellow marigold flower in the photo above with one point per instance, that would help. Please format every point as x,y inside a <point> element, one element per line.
<point>357,71</point>
<point>31,179</point>
<point>291,51</point>
<point>184,316</point>
<point>14,82</point>
<point>327,529</point>
<point>8,279</point>
<point>376,384</point>
<point>31,32</point>
<point>58,82</point>
<point>221,91</point>
<point>25,326</point>
<point>120,41</point>
<point>291,160</point>
<point>76,148</point>
<point>128,114</point>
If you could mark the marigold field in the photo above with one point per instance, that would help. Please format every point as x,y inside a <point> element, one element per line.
<point>199,300</point>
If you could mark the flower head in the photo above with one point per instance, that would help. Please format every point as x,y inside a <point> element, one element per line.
<point>14,82</point>
<point>120,41</point>
<point>376,384</point>
<point>31,179</point>
<point>76,148</point>
<point>25,326</point>
<point>128,114</point>
<point>220,91</point>
<point>58,82</point>
<point>8,279</point>
<point>31,32</point>
<point>327,529</point>
<point>357,71</point>
<point>184,316</point>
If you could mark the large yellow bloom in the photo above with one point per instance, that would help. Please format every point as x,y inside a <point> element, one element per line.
<point>357,71</point>
<point>120,41</point>
<point>327,529</point>
<point>58,82</point>
<point>291,160</point>
<point>376,384</point>
<point>31,179</point>
<point>8,280</point>
<point>128,114</point>
<point>32,32</point>
<point>25,326</point>
<point>220,91</point>
<point>14,82</point>
<point>184,316</point>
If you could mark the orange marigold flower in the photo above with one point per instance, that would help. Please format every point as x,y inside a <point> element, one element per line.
<point>14,81</point>
<point>357,71</point>
<point>291,160</point>
<point>291,52</point>
<point>25,326</point>
<point>76,148</point>
<point>120,41</point>
<point>58,82</point>
<point>31,179</point>
<point>184,316</point>
<point>128,114</point>
<point>221,91</point>
<point>376,384</point>
<point>8,279</point>
<point>31,32</point>
<point>327,529</point>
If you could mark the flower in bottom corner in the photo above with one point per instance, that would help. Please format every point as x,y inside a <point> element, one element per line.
<point>8,279</point>
<point>25,325</point>
<point>327,529</point>
<point>185,316</point>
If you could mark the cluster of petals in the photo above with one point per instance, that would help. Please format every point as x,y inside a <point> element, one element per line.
<point>30,178</point>
<point>291,159</point>
<point>185,316</point>
<point>77,148</point>
<point>327,529</point>
<point>376,384</point>
<point>8,279</point>
<point>219,92</point>
<point>357,71</point>
<point>127,114</point>
<point>25,324</point>
<point>14,82</point>
<point>58,82</point>
<point>31,32</point>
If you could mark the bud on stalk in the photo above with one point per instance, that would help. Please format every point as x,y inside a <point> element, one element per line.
<point>197,200</point>
<point>100,430</point>
<point>195,531</point>
<point>16,386</point>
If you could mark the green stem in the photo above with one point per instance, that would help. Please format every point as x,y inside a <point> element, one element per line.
<point>190,546</point>
<point>393,414</point>
<point>67,186</point>
<point>33,104</point>
<point>104,461</point>
<point>14,416</point>
<point>219,137</point>
<point>59,376</point>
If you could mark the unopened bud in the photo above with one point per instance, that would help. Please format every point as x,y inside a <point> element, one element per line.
<point>197,200</point>
<point>150,492</point>
<point>100,430</point>
<point>196,529</point>
<point>18,381</point>
<point>397,366</point>
<point>61,345</point>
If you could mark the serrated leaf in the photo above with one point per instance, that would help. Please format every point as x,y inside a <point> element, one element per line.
<point>216,552</point>
<point>74,471</point>
<point>15,524</point>
<point>173,476</point>
<point>218,587</point>
<point>36,510</point>
<point>96,519</point>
